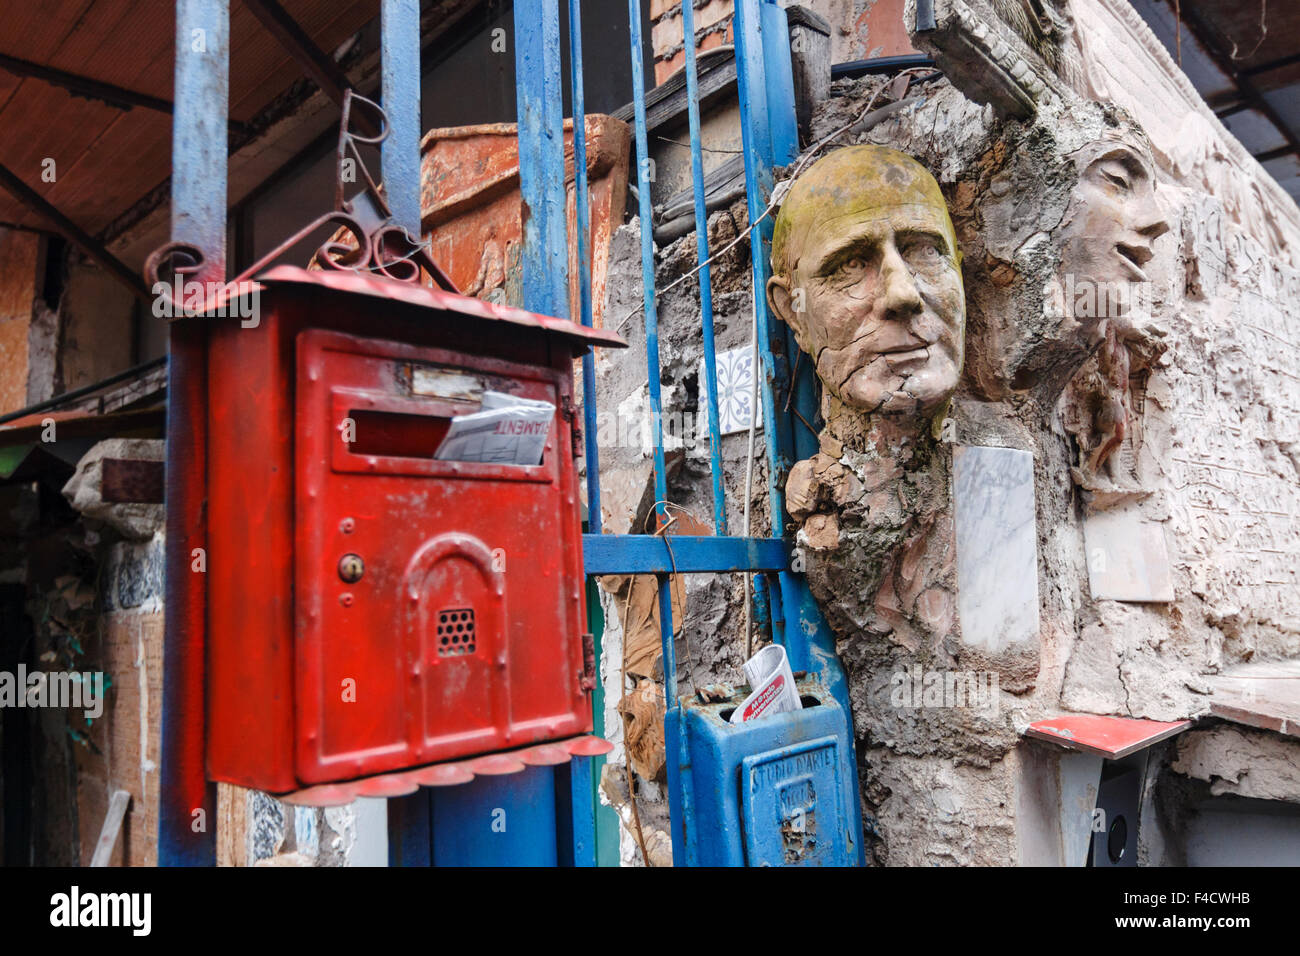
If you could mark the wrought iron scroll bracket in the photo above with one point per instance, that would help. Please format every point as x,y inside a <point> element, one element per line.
<point>365,238</point>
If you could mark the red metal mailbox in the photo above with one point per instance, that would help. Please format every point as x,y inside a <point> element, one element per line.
<point>371,608</point>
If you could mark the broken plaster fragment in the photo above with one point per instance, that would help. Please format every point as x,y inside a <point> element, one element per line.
<point>821,532</point>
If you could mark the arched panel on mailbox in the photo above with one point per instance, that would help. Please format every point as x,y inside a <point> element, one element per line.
<point>455,611</point>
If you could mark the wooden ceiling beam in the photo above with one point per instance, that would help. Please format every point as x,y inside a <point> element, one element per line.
<point>83,86</point>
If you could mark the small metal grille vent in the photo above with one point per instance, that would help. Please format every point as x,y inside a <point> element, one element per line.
<point>456,632</point>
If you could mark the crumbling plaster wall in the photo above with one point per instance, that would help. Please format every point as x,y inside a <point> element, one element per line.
<point>86,333</point>
<point>1242,762</point>
<point>1224,795</point>
<point>19,253</point>
<point>1215,476</point>
<point>939,782</point>
<point>97,316</point>
<point>915,765</point>
<point>92,605</point>
<point>710,641</point>
<point>120,623</point>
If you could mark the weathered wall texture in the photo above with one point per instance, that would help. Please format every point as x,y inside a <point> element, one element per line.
<point>470,205</point>
<point>97,325</point>
<point>255,829</point>
<point>1242,762</point>
<point>85,332</point>
<point>122,748</point>
<point>712,29</point>
<point>1164,436</point>
<point>111,621</point>
<point>864,29</point>
<point>1162,431</point>
<point>710,638</point>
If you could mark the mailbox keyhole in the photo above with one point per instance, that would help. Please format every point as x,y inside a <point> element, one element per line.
<point>351,567</point>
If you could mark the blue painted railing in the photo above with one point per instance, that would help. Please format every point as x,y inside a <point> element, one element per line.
<point>770,138</point>
<point>702,259</point>
<point>643,180</point>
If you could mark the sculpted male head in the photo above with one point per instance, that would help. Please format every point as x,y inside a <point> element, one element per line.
<point>867,273</point>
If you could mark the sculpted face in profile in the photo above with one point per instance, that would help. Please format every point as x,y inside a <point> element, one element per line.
<point>1110,226</point>
<point>867,274</point>
<point>1108,234</point>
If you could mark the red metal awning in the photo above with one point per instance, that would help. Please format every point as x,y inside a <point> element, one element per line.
<point>1110,737</point>
<point>406,782</point>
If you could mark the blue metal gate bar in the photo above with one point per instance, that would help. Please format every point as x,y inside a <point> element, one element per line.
<point>399,30</point>
<point>202,83</point>
<point>783,132</point>
<point>770,137</point>
<point>647,258</point>
<point>666,629</point>
<point>410,818</point>
<point>575,818</point>
<point>679,795</point>
<point>187,811</point>
<point>410,829</point>
<point>684,554</point>
<point>582,223</point>
<point>769,131</point>
<point>544,261</point>
<point>778,83</point>
<point>509,820</point>
<point>776,609</point>
<point>702,259</point>
<point>751,32</point>
<point>545,254</point>
<point>575,789</point>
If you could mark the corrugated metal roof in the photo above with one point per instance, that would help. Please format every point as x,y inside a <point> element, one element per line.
<point>31,429</point>
<point>1243,57</point>
<point>106,158</point>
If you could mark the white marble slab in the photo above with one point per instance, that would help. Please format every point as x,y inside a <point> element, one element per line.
<point>1127,557</point>
<point>997,546</point>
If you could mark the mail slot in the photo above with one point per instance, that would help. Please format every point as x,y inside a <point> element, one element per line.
<point>374,602</point>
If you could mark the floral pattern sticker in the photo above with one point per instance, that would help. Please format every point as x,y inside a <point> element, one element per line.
<point>735,392</point>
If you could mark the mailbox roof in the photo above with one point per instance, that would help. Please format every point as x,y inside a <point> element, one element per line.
<point>357,283</point>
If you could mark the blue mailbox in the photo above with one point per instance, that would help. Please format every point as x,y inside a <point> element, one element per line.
<point>774,791</point>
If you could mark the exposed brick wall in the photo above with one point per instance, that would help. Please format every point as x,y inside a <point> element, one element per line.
<point>712,29</point>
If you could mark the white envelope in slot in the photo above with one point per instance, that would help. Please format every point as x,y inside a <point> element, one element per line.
<point>506,430</point>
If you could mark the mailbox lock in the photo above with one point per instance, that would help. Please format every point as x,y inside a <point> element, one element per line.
<point>351,567</point>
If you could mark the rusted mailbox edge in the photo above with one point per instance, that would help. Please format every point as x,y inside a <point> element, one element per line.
<point>440,300</point>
